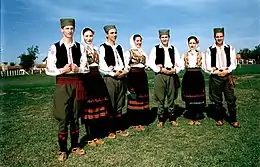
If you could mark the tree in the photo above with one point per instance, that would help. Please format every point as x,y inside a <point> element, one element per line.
<point>245,53</point>
<point>12,63</point>
<point>27,60</point>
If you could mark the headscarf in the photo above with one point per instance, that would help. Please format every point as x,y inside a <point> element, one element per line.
<point>133,46</point>
<point>87,46</point>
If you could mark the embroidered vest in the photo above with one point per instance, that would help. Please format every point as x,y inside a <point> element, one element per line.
<point>61,55</point>
<point>92,55</point>
<point>199,59</point>
<point>109,54</point>
<point>160,56</point>
<point>136,57</point>
<point>213,52</point>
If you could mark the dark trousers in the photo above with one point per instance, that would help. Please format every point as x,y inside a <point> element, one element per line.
<point>217,87</point>
<point>116,90</point>
<point>164,87</point>
<point>66,112</point>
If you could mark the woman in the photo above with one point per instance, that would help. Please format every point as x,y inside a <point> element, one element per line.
<point>137,83</point>
<point>96,104</point>
<point>193,85</point>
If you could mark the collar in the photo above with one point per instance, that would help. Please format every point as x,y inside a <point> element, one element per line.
<point>169,45</point>
<point>73,43</point>
<point>110,44</point>
<point>224,44</point>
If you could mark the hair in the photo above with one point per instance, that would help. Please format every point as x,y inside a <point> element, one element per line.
<point>137,35</point>
<point>87,29</point>
<point>192,37</point>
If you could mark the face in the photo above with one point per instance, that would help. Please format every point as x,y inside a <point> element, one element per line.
<point>164,39</point>
<point>138,42</point>
<point>192,44</point>
<point>68,31</point>
<point>219,38</point>
<point>88,37</point>
<point>112,35</point>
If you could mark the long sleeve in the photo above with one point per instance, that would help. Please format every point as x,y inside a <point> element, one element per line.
<point>51,68</point>
<point>233,61</point>
<point>203,64</point>
<point>127,60</point>
<point>151,62</point>
<point>178,61</point>
<point>83,61</point>
<point>102,63</point>
<point>182,62</point>
<point>207,62</point>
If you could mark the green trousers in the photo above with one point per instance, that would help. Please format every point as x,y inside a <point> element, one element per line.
<point>217,87</point>
<point>164,87</point>
<point>66,109</point>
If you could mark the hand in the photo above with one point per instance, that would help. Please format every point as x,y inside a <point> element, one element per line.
<point>123,74</point>
<point>66,68</point>
<point>172,71</point>
<point>223,73</point>
<point>164,70</point>
<point>74,68</point>
<point>118,73</point>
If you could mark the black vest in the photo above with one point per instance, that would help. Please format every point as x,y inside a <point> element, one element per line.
<point>61,55</point>
<point>213,52</point>
<point>109,54</point>
<point>160,55</point>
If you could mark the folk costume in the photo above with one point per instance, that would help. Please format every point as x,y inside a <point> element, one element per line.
<point>96,103</point>
<point>193,85</point>
<point>137,85</point>
<point>165,85</point>
<point>69,89</point>
<point>112,60</point>
<point>220,62</point>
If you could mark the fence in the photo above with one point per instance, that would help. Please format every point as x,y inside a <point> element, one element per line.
<point>7,71</point>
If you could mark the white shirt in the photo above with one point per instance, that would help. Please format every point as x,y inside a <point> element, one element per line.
<point>103,65</point>
<point>192,57</point>
<point>221,61</point>
<point>51,68</point>
<point>127,60</point>
<point>167,59</point>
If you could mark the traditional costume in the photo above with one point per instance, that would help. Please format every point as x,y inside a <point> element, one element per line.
<point>165,85</point>
<point>220,62</point>
<point>69,89</point>
<point>96,103</point>
<point>137,84</point>
<point>112,60</point>
<point>193,84</point>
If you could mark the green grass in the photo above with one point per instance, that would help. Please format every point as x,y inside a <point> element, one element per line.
<point>28,135</point>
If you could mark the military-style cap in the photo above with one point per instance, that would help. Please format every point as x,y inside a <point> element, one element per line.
<point>164,32</point>
<point>109,27</point>
<point>217,30</point>
<point>67,22</point>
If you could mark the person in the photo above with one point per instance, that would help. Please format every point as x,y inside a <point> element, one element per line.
<point>96,103</point>
<point>220,62</point>
<point>112,65</point>
<point>65,60</point>
<point>164,60</point>
<point>193,84</point>
<point>137,82</point>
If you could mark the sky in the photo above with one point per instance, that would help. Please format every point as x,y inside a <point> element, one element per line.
<point>36,22</point>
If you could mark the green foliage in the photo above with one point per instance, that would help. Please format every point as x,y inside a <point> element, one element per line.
<point>12,63</point>
<point>27,59</point>
<point>251,54</point>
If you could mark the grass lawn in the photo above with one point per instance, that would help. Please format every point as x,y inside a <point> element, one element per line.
<point>28,134</point>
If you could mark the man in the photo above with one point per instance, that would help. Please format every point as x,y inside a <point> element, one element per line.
<point>164,60</point>
<point>220,62</point>
<point>113,67</point>
<point>65,60</point>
